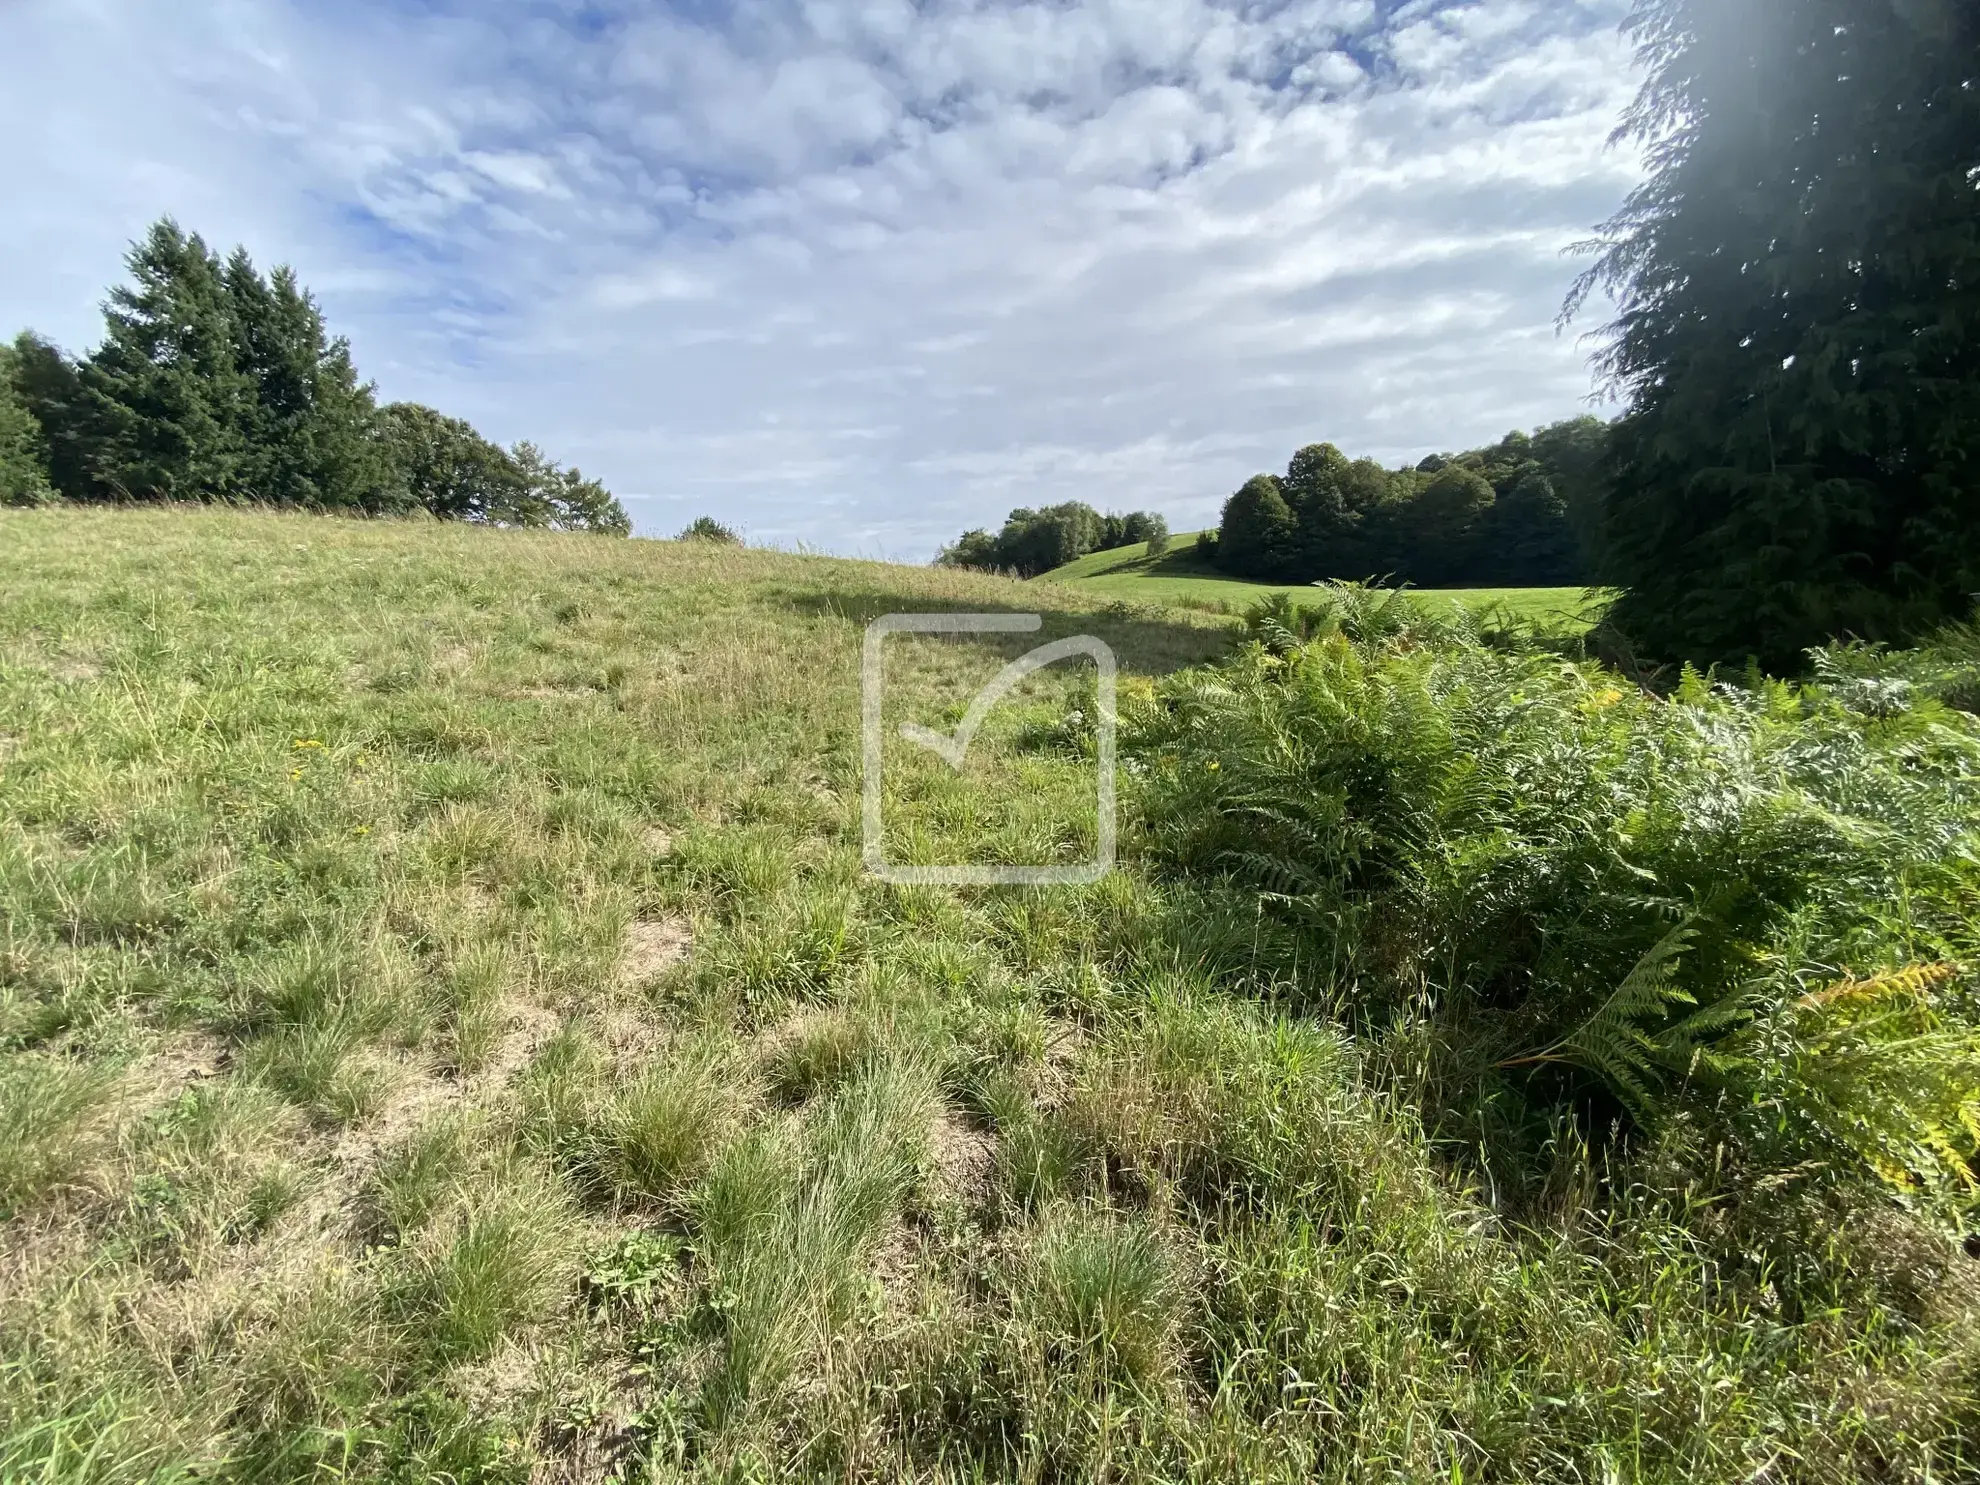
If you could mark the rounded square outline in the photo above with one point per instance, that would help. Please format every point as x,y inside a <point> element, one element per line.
<point>871,736</point>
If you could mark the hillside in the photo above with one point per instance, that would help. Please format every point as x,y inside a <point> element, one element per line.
<point>449,1034</point>
<point>1182,579</point>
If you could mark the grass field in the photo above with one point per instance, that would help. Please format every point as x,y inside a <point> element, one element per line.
<point>449,1035</point>
<point>1180,578</point>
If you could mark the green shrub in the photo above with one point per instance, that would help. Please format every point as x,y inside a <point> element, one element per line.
<point>1632,891</point>
<point>707,528</point>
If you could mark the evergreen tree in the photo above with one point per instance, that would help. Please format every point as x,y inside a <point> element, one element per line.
<point>442,465</point>
<point>49,386</point>
<point>23,449</point>
<point>551,495</point>
<point>308,430</point>
<point>1799,328</point>
<point>217,383</point>
<point>165,404</point>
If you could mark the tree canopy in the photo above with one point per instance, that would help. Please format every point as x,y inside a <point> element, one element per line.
<point>1798,334</point>
<point>216,382</point>
<point>1035,541</point>
<point>1521,512</point>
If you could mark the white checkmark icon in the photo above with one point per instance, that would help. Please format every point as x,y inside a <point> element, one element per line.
<point>954,746</point>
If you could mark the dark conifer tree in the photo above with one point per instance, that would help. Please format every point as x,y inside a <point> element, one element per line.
<point>308,429</point>
<point>442,465</point>
<point>165,403</point>
<point>49,385</point>
<point>1799,335</point>
<point>23,449</point>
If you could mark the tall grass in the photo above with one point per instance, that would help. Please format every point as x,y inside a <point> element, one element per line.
<point>1478,1069</point>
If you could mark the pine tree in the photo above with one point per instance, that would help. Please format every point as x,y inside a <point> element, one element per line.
<point>551,495</point>
<point>164,402</point>
<point>1799,328</point>
<point>442,465</point>
<point>308,429</point>
<point>23,449</point>
<point>49,385</point>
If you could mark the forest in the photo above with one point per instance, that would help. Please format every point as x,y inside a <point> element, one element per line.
<point>216,382</point>
<point>1523,512</point>
<point>1035,541</point>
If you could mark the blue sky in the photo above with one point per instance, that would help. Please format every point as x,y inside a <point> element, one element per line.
<point>861,275</point>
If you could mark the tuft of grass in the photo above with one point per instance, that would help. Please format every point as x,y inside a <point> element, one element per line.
<point>661,1131</point>
<point>497,1262</point>
<point>55,1120</point>
<point>789,1272</point>
<point>97,1437</point>
<point>472,993</point>
<point>324,1068</point>
<point>415,1178</point>
<point>818,1054</point>
<point>1103,1297</point>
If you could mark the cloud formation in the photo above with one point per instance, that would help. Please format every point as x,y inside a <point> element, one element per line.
<point>863,274</point>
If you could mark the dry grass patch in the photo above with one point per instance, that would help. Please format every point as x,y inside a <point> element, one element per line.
<point>654,946</point>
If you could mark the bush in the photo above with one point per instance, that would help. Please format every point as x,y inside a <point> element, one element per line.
<point>1668,903</point>
<point>707,528</point>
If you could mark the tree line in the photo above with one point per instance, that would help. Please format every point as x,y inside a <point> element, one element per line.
<point>1523,512</point>
<point>1035,541</point>
<point>217,382</point>
<point>1797,354</point>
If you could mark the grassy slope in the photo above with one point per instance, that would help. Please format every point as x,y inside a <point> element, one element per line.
<point>448,1031</point>
<point>1180,577</point>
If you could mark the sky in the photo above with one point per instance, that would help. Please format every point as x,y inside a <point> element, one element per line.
<point>860,276</point>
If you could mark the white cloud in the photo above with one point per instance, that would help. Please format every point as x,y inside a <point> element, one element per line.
<point>863,274</point>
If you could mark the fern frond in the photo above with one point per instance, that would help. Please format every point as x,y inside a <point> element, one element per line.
<point>1622,1042</point>
<point>1915,980</point>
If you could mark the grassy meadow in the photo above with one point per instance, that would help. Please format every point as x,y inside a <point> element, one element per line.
<point>448,1034</point>
<point>1179,578</point>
